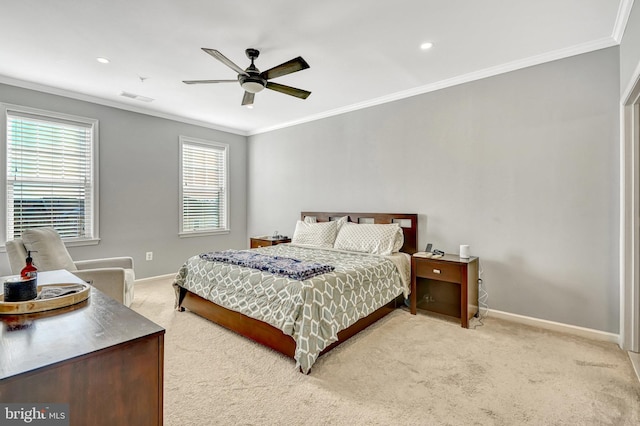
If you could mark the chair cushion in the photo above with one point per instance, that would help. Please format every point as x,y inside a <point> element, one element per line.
<point>16,254</point>
<point>47,249</point>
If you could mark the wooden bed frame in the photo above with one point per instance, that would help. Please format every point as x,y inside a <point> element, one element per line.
<point>272,337</point>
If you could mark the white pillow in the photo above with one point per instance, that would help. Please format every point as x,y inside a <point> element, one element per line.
<point>321,234</point>
<point>372,238</point>
<point>47,249</point>
<point>341,221</point>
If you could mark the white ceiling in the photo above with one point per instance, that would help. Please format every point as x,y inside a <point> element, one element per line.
<point>361,52</point>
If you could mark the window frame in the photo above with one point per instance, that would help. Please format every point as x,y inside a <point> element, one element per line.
<point>5,110</point>
<point>212,145</point>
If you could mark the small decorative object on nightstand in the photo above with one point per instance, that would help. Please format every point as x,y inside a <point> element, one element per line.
<point>265,241</point>
<point>447,285</point>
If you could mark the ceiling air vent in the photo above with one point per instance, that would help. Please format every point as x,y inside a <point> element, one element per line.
<point>136,97</point>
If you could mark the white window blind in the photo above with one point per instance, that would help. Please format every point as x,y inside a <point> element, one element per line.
<point>50,174</point>
<point>204,187</point>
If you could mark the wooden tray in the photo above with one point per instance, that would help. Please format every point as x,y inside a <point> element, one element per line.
<point>31,306</point>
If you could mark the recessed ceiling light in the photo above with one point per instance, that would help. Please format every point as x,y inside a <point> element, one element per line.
<point>427,45</point>
<point>103,60</point>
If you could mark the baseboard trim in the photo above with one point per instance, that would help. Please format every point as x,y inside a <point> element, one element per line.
<point>156,278</point>
<point>635,361</point>
<point>522,319</point>
<point>557,326</point>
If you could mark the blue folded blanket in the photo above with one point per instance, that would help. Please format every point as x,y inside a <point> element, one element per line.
<point>285,266</point>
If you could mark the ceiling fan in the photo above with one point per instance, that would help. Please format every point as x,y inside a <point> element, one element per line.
<point>253,81</point>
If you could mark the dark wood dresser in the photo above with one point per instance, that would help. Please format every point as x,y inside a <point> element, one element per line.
<point>98,356</point>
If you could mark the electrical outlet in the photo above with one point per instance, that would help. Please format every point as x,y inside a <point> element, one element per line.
<point>149,255</point>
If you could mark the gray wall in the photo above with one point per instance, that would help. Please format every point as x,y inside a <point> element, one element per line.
<point>630,48</point>
<point>138,171</point>
<point>523,166</point>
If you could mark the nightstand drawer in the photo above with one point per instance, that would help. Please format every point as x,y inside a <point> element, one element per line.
<point>442,271</point>
<point>257,242</point>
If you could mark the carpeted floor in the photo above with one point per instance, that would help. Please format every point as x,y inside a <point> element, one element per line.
<point>403,370</point>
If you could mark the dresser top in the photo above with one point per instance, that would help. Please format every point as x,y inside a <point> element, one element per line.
<point>32,341</point>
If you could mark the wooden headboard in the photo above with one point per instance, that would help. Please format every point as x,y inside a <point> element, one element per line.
<point>408,222</point>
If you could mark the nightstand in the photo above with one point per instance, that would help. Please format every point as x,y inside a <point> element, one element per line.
<point>448,286</point>
<point>257,242</point>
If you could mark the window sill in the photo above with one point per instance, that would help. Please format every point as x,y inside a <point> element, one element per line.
<point>202,233</point>
<point>72,243</point>
<point>77,243</point>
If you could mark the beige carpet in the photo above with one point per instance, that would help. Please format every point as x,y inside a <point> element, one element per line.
<point>403,370</point>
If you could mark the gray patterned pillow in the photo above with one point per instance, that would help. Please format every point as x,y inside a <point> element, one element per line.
<point>321,234</point>
<point>372,238</point>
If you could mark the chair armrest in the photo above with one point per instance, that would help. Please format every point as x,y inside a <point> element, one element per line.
<point>110,281</point>
<point>110,262</point>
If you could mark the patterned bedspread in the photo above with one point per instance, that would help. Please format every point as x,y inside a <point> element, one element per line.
<point>312,311</point>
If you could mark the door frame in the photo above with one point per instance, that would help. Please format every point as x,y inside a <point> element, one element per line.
<point>630,218</point>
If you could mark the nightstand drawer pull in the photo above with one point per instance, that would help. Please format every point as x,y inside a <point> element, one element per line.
<point>436,271</point>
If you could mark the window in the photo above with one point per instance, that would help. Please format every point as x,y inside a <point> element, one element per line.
<point>204,184</point>
<point>51,173</point>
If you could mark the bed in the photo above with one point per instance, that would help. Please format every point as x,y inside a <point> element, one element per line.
<point>304,318</point>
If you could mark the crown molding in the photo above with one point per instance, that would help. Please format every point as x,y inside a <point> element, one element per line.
<point>621,20</point>
<point>465,78</point>
<point>105,102</point>
<point>623,14</point>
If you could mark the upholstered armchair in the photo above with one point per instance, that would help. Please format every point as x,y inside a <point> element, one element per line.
<point>112,276</point>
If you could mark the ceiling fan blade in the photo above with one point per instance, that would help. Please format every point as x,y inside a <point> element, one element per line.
<point>219,56</point>
<point>288,90</point>
<point>247,99</point>
<point>296,64</point>
<point>208,81</point>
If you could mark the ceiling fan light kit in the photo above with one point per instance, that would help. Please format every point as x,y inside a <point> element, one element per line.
<point>251,86</point>
<point>254,81</point>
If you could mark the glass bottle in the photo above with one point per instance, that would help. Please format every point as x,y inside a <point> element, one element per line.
<point>29,271</point>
